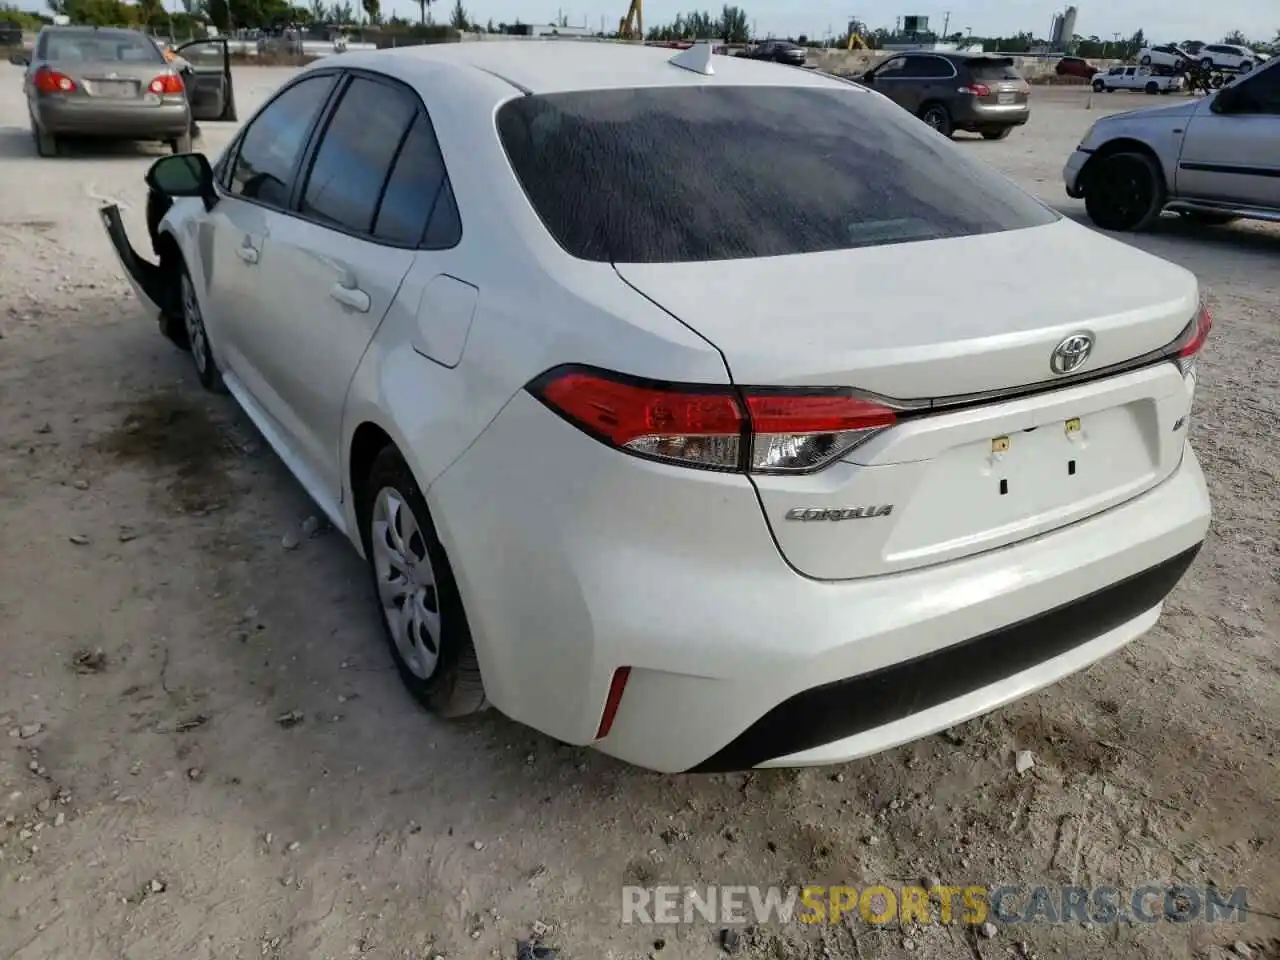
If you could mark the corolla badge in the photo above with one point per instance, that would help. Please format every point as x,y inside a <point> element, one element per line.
<point>1071,354</point>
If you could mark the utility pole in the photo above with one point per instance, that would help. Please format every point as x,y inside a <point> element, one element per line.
<point>946,22</point>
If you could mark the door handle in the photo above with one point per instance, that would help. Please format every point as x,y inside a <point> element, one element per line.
<point>352,297</point>
<point>247,251</point>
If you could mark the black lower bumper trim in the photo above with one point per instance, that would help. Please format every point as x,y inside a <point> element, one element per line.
<point>856,704</point>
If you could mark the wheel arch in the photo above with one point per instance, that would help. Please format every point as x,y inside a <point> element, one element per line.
<point>1123,145</point>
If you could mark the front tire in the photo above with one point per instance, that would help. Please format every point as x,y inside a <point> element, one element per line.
<point>1125,192</point>
<point>1146,61</point>
<point>422,613</point>
<point>1099,86</point>
<point>198,337</point>
<point>1153,88</point>
<point>936,116</point>
<point>1246,67</point>
<point>1001,134</point>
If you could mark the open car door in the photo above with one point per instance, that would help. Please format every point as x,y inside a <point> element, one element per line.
<point>208,78</point>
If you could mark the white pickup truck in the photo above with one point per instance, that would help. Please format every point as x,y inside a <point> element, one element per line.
<point>1136,78</point>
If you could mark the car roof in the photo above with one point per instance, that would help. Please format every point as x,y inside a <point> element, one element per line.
<point>560,66</point>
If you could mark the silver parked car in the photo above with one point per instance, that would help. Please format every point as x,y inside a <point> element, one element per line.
<point>104,82</point>
<point>1213,159</point>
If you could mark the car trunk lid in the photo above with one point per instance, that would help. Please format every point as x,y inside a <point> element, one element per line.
<point>991,446</point>
<point>1005,86</point>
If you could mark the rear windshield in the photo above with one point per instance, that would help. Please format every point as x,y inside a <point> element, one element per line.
<point>84,46</point>
<point>677,174</point>
<point>988,69</point>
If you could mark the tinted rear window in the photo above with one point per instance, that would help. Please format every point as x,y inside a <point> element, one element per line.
<point>992,68</point>
<point>75,46</point>
<point>674,174</point>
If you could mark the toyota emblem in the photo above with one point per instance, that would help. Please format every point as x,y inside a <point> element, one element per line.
<point>1070,355</point>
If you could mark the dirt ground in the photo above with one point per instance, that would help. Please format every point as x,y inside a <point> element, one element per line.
<point>205,751</point>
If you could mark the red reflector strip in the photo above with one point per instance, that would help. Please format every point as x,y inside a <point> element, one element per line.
<point>616,688</point>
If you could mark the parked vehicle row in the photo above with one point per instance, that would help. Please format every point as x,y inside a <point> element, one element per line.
<point>1211,56</point>
<point>597,483</point>
<point>1212,159</point>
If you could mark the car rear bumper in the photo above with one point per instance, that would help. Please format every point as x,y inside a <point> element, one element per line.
<point>99,118</point>
<point>970,113</point>
<point>603,561</point>
<point>1071,173</point>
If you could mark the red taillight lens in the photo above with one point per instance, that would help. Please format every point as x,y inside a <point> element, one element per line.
<point>1191,341</point>
<point>166,84</point>
<point>51,81</point>
<point>765,430</point>
<point>979,89</point>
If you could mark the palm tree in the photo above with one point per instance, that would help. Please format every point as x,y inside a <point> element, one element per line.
<point>423,6</point>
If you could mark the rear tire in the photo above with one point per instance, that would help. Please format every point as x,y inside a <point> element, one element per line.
<point>1153,88</point>
<point>181,144</point>
<point>1145,61</point>
<point>1125,192</point>
<point>1099,86</point>
<point>1246,67</point>
<point>1000,134</point>
<point>936,116</point>
<point>46,143</point>
<point>446,680</point>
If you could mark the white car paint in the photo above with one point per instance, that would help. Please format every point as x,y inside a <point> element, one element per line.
<point>575,560</point>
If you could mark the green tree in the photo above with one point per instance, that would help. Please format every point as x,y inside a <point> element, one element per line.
<point>459,18</point>
<point>1236,39</point>
<point>424,7</point>
<point>734,26</point>
<point>220,15</point>
<point>372,10</point>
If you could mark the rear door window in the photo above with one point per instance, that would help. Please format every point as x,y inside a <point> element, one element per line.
<point>418,205</point>
<point>354,157</point>
<point>993,69</point>
<point>688,173</point>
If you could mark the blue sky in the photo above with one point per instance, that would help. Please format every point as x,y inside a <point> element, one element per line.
<point>1163,20</point>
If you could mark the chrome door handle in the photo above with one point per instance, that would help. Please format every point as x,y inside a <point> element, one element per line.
<point>352,297</point>
<point>247,253</point>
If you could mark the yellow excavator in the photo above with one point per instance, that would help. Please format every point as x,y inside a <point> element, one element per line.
<point>856,42</point>
<point>631,27</point>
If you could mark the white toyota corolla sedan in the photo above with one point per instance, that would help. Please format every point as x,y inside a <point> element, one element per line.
<point>713,413</point>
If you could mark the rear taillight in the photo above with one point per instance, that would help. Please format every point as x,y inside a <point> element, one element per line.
<point>167,83</point>
<point>752,430</point>
<point>977,89</point>
<point>1191,341</point>
<point>51,81</point>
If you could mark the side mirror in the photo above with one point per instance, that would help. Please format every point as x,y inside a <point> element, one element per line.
<point>183,175</point>
<point>20,60</point>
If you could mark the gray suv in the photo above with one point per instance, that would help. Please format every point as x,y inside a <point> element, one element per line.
<point>955,91</point>
<point>1213,160</point>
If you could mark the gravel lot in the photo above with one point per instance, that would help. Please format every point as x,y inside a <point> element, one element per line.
<point>205,752</point>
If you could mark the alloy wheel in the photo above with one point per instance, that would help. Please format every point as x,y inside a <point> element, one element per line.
<point>194,322</point>
<point>406,582</point>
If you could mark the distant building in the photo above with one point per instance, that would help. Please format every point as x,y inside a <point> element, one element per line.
<point>550,30</point>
